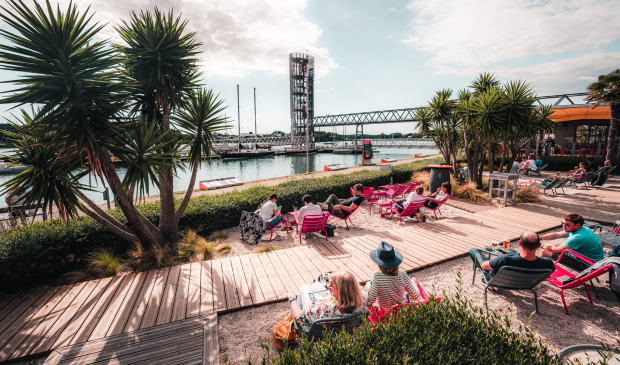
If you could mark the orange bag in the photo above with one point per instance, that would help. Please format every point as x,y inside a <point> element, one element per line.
<point>284,333</point>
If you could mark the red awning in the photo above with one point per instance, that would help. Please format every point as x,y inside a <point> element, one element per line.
<point>582,112</point>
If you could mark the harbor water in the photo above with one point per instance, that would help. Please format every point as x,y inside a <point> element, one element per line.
<point>251,169</point>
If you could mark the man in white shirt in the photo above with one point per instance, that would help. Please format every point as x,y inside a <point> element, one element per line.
<point>414,195</point>
<point>309,209</point>
<point>529,164</point>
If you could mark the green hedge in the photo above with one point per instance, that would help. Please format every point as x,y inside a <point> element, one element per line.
<point>43,251</point>
<point>452,331</point>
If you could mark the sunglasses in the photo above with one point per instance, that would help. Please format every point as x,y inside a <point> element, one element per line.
<point>566,224</point>
<point>330,285</point>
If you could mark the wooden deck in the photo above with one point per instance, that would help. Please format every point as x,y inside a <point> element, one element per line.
<point>38,322</point>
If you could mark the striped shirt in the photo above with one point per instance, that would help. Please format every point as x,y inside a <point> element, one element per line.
<point>389,290</point>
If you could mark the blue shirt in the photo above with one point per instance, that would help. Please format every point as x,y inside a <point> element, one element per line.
<point>586,243</point>
<point>538,163</point>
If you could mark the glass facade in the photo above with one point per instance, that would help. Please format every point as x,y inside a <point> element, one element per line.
<point>591,133</point>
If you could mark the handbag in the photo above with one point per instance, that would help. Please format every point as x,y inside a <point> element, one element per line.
<point>329,229</point>
<point>284,333</point>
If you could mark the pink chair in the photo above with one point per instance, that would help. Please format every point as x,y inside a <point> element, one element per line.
<point>561,272</point>
<point>313,223</point>
<point>378,315</point>
<point>274,227</point>
<point>397,191</point>
<point>411,188</point>
<point>411,209</point>
<point>367,193</point>
<point>437,208</point>
<point>345,219</point>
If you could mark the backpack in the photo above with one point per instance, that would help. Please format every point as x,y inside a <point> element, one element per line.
<point>329,229</point>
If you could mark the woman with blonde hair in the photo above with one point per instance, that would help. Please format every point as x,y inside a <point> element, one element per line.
<point>341,297</point>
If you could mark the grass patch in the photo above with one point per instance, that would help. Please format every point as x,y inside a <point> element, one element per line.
<point>470,192</point>
<point>104,262</point>
<point>528,195</point>
<point>266,248</point>
<point>218,236</point>
<point>223,248</point>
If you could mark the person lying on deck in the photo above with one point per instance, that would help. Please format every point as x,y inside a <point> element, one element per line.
<point>341,297</point>
<point>580,239</point>
<point>308,209</point>
<point>413,196</point>
<point>526,259</point>
<point>390,285</point>
<point>433,200</point>
<point>269,211</point>
<point>341,207</point>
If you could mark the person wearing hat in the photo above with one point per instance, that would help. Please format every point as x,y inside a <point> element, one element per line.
<point>389,285</point>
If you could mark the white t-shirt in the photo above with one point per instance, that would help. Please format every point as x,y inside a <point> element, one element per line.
<point>267,209</point>
<point>309,209</point>
<point>531,164</point>
<point>411,197</point>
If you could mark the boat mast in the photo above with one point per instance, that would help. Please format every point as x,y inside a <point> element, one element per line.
<point>255,134</point>
<point>238,120</point>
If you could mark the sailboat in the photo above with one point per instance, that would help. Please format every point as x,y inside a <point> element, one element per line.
<point>240,154</point>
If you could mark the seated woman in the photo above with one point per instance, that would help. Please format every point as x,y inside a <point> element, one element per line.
<point>269,211</point>
<point>390,285</point>
<point>341,298</point>
<point>580,171</point>
<point>413,196</point>
<point>433,200</point>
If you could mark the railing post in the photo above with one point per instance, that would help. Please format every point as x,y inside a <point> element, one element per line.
<point>598,150</point>
<point>572,150</point>
<point>529,147</point>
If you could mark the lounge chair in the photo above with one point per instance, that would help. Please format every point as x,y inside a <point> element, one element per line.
<point>560,274</point>
<point>515,278</point>
<point>274,227</point>
<point>587,351</point>
<point>610,237</point>
<point>313,223</point>
<point>397,191</point>
<point>377,315</point>
<point>410,209</point>
<point>320,326</point>
<point>585,180</point>
<point>548,184</point>
<point>560,185</point>
<point>437,208</point>
<point>344,219</point>
<point>537,170</point>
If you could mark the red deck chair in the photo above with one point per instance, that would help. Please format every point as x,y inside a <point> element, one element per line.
<point>409,210</point>
<point>378,315</point>
<point>437,208</point>
<point>397,191</point>
<point>411,188</point>
<point>560,272</point>
<point>313,223</point>
<point>274,227</point>
<point>345,219</point>
<point>368,192</point>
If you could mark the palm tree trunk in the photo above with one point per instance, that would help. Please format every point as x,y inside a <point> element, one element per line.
<point>446,154</point>
<point>188,195</point>
<point>613,130</point>
<point>504,154</point>
<point>489,152</point>
<point>167,221</point>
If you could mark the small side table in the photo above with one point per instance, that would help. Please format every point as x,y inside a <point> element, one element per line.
<point>383,204</point>
<point>501,182</point>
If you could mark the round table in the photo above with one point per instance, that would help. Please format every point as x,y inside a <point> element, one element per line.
<point>439,175</point>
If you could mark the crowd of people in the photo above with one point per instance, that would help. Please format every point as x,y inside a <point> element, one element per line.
<point>598,174</point>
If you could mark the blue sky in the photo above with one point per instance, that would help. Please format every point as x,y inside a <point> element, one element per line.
<point>385,54</point>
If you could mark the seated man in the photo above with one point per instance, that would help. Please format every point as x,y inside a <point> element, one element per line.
<point>516,166</point>
<point>592,166</point>
<point>538,162</point>
<point>529,165</point>
<point>526,259</point>
<point>308,209</point>
<point>600,176</point>
<point>580,239</point>
<point>342,208</point>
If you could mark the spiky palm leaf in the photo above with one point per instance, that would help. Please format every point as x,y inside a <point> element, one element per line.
<point>201,118</point>
<point>484,82</point>
<point>425,120</point>
<point>64,69</point>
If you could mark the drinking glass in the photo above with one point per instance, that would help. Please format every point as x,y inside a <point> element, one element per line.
<point>506,243</point>
<point>495,243</point>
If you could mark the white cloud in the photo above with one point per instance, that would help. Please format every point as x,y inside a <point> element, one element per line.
<point>391,10</point>
<point>238,36</point>
<point>467,36</point>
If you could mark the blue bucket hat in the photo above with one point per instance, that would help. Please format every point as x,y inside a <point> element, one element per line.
<point>386,256</point>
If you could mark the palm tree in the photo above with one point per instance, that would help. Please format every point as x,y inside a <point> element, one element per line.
<point>520,99</point>
<point>89,111</point>
<point>489,112</point>
<point>440,109</point>
<point>607,90</point>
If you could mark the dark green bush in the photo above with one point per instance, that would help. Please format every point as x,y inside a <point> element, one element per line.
<point>41,252</point>
<point>452,331</point>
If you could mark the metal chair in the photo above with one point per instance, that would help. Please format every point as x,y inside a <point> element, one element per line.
<point>320,326</point>
<point>516,278</point>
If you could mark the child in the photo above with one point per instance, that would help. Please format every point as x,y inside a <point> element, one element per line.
<point>389,285</point>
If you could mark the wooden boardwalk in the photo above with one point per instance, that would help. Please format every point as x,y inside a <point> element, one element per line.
<point>37,322</point>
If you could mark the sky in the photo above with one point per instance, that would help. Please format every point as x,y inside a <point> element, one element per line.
<point>381,54</point>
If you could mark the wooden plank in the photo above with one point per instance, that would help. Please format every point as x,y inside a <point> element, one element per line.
<point>279,270</point>
<point>232,297</point>
<point>27,299</point>
<point>63,320</point>
<point>311,267</point>
<point>152,309</point>
<point>27,316</point>
<point>13,303</point>
<point>82,314</point>
<point>106,309</point>
<point>139,307</point>
<point>289,268</point>
<point>4,300</point>
<point>311,255</point>
<point>211,353</point>
<point>29,327</point>
<point>266,273</point>
<point>39,333</point>
<point>347,263</point>
<point>361,252</point>
<point>180,300</point>
<point>168,299</point>
<point>259,288</point>
<point>366,244</point>
<point>326,264</point>
<point>243,289</point>
<point>195,293</point>
<point>122,317</point>
<point>219,288</point>
<point>207,287</point>
<point>306,269</point>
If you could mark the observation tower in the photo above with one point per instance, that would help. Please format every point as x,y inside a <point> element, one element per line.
<point>302,95</point>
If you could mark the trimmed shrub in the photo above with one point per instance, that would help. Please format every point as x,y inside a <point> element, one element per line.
<point>452,331</point>
<point>40,252</point>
